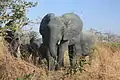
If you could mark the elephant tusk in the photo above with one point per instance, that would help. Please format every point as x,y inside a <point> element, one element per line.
<point>58,42</point>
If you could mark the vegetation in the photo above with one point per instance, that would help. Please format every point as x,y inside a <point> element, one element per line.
<point>78,68</point>
<point>13,14</point>
<point>105,66</point>
<point>25,77</point>
<point>114,44</point>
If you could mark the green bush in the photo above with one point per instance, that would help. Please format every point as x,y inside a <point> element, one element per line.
<point>25,77</point>
<point>113,44</point>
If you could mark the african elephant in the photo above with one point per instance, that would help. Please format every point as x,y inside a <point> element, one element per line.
<point>13,41</point>
<point>86,41</point>
<point>35,45</point>
<point>56,32</point>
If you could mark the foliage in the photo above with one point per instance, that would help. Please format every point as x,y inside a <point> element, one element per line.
<point>33,34</point>
<point>13,14</point>
<point>25,55</point>
<point>81,62</point>
<point>25,77</point>
<point>113,45</point>
<point>79,67</point>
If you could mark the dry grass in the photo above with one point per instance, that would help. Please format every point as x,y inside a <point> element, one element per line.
<point>12,68</point>
<point>105,66</point>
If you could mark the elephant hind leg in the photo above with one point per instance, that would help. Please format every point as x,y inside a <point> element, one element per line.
<point>70,51</point>
<point>72,55</point>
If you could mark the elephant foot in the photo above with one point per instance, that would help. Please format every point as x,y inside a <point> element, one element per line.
<point>51,68</point>
<point>59,66</point>
<point>51,64</point>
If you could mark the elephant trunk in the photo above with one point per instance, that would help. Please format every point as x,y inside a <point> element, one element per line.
<point>52,55</point>
<point>54,39</point>
<point>53,48</point>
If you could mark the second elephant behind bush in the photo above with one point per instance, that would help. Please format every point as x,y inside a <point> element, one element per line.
<point>85,42</point>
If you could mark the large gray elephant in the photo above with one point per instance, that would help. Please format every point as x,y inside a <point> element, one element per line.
<point>86,41</point>
<point>57,32</point>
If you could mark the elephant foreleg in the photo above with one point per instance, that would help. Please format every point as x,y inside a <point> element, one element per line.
<point>50,61</point>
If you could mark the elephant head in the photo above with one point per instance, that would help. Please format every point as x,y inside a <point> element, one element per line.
<point>51,29</point>
<point>13,39</point>
<point>87,41</point>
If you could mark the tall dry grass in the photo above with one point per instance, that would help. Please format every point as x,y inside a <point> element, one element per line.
<point>105,66</point>
<point>12,68</point>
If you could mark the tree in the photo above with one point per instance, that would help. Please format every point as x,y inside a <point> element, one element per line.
<point>33,34</point>
<point>13,14</point>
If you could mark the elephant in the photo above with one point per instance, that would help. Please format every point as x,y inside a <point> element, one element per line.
<point>19,42</point>
<point>13,42</point>
<point>86,41</point>
<point>35,46</point>
<point>57,32</point>
<point>32,51</point>
<point>24,42</point>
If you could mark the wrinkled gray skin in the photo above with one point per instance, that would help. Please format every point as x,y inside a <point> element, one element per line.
<point>56,33</point>
<point>87,40</point>
<point>32,49</point>
<point>35,44</point>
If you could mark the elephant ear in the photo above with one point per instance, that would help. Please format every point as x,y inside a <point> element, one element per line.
<point>73,25</point>
<point>89,38</point>
<point>45,21</point>
<point>70,30</point>
<point>67,31</point>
